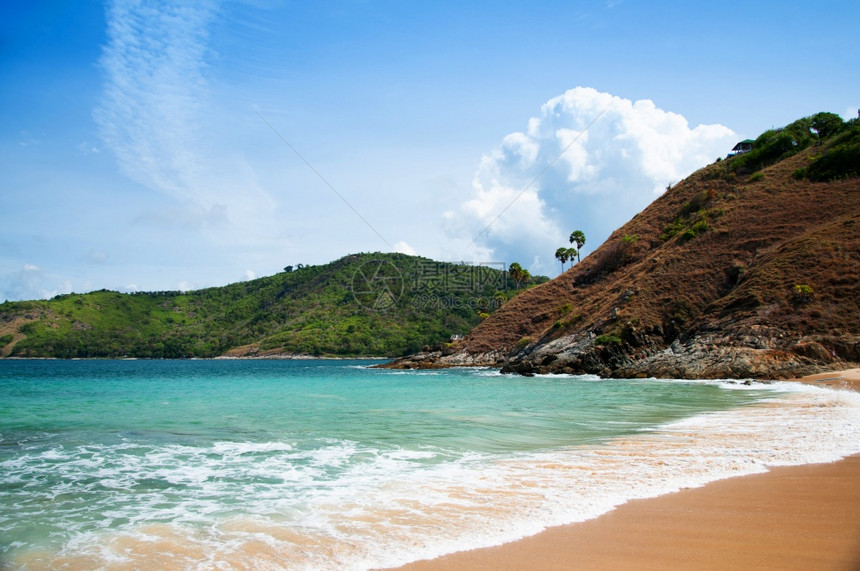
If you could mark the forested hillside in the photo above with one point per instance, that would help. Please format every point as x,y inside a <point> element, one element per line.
<point>361,305</point>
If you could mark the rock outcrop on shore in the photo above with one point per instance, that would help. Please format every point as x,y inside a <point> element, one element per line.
<point>748,268</point>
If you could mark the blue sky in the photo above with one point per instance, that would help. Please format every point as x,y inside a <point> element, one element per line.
<point>143,143</point>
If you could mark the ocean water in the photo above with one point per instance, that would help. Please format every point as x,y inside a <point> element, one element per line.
<point>308,464</point>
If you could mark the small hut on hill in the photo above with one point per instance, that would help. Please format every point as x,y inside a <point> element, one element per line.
<point>744,146</point>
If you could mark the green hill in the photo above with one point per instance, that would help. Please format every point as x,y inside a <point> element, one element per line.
<point>360,305</point>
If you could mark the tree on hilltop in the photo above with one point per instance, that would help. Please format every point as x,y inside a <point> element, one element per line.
<point>826,124</point>
<point>517,273</point>
<point>577,237</point>
<point>562,255</point>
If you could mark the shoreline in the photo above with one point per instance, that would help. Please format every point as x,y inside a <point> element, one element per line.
<point>845,379</point>
<point>790,517</point>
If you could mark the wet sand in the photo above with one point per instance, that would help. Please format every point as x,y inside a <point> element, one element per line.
<point>848,379</point>
<point>803,517</point>
<point>799,517</point>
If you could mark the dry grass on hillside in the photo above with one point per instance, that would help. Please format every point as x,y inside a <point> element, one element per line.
<point>741,246</point>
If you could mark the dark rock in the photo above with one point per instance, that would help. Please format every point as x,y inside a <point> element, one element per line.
<point>813,350</point>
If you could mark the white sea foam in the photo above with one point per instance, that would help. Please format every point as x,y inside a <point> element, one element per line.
<point>340,504</point>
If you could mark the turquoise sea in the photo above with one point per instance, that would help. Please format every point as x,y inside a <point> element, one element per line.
<point>311,464</point>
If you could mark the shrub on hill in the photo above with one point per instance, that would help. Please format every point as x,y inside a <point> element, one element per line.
<point>840,160</point>
<point>778,144</point>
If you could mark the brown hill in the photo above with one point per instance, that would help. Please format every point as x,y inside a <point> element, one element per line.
<point>748,268</point>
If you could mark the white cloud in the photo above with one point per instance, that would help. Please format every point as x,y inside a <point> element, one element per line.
<point>151,109</point>
<point>589,161</point>
<point>250,275</point>
<point>161,118</point>
<point>404,248</point>
<point>30,282</point>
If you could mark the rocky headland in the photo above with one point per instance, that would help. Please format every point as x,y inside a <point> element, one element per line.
<point>749,268</point>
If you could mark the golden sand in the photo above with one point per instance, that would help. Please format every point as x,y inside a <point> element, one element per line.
<point>800,517</point>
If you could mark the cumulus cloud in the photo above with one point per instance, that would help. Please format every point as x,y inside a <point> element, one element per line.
<point>404,248</point>
<point>589,161</point>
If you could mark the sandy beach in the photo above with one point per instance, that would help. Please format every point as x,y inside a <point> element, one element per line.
<point>799,517</point>
<point>847,379</point>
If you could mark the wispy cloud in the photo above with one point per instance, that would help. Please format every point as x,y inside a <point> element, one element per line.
<point>156,92</point>
<point>189,217</point>
<point>85,148</point>
<point>27,139</point>
<point>166,124</point>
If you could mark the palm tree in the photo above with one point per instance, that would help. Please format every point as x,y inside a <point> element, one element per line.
<point>571,254</point>
<point>578,238</point>
<point>516,272</point>
<point>562,255</point>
